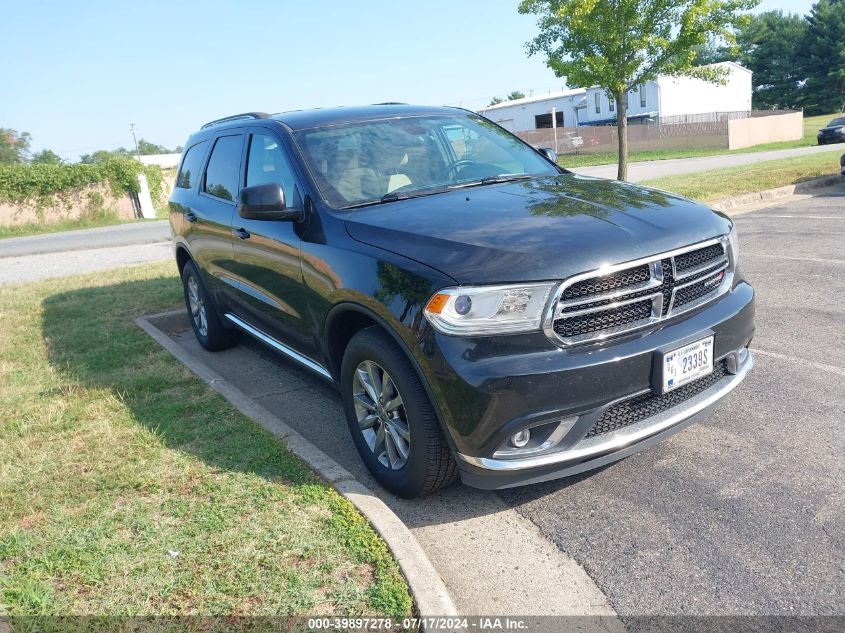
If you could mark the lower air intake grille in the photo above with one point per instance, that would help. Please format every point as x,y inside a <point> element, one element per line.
<point>648,405</point>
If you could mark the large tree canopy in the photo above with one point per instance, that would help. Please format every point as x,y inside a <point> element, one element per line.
<point>617,44</point>
<point>770,45</point>
<point>824,58</point>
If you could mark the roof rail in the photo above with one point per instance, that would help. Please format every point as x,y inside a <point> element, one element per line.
<point>237,117</point>
<point>391,103</point>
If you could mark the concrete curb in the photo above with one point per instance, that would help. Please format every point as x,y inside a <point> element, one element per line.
<point>774,194</point>
<point>429,592</point>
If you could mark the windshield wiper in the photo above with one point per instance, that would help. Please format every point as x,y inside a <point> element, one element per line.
<point>396,195</point>
<point>492,180</point>
<point>393,196</point>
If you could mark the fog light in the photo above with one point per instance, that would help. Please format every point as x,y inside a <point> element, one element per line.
<point>521,439</point>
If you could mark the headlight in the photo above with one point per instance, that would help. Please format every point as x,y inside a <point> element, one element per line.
<point>733,238</point>
<point>488,309</point>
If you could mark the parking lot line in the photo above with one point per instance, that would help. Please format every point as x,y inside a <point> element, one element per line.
<point>833,369</point>
<point>797,259</point>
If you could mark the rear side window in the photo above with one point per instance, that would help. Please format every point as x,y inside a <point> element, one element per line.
<point>224,166</point>
<point>268,164</point>
<point>191,165</point>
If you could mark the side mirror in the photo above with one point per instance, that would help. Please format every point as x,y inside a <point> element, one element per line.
<point>549,153</point>
<point>265,202</point>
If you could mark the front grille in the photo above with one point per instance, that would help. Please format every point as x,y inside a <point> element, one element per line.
<point>594,307</point>
<point>604,320</point>
<point>608,283</point>
<point>697,258</point>
<point>648,405</point>
<point>697,290</point>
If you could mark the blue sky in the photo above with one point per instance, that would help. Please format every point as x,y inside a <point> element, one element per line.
<point>76,74</point>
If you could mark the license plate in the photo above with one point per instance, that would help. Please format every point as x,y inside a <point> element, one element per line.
<point>687,363</point>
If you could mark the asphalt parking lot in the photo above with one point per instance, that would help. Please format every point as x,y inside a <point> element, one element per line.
<point>744,513</point>
<point>740,514</point>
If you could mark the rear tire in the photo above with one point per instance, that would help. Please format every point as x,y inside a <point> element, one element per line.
<point>397,434</point>
<point>205,319</point>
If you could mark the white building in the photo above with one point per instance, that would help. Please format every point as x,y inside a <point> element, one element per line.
<point>533,113</point>
<point>664,99</point>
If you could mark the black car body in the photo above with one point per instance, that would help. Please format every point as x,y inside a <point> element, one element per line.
<point>593,282</point>
<point>833,133</point>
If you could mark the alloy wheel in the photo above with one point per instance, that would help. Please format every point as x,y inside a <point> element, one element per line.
<point>381,415</point>
<point>197,306</point>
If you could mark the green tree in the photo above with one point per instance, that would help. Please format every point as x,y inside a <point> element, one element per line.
<point>617,44</point>
<point>824,58</point>
<point>512,96</point>
<point>14,146</point>
<point>145,148</point>
<point>47,157</point>
<point>770,45</point>
<point>713,51</point>
<point>102,155</point>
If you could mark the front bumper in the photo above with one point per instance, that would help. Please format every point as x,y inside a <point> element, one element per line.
<point>597,451</point>
<point>488,390</point>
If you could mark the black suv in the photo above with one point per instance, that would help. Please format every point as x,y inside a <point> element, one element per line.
<point>483,312</point>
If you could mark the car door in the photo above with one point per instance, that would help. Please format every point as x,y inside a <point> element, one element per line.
<point>267,252</point>
<point>208,213</point>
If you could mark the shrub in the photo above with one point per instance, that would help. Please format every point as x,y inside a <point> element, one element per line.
<point>37,183</point>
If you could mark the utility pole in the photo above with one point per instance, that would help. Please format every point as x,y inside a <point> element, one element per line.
<point>137,151</point>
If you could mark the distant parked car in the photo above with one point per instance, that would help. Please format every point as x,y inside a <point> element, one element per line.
<point>571,140</point>
<point>842,163</point>
<point>833,133</point>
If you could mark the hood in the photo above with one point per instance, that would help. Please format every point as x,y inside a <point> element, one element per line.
<point>832,128</point>
<point>540,229</point>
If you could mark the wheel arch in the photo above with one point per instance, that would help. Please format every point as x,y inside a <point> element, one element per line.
<point>345,320</point>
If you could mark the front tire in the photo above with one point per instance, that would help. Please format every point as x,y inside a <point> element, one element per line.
<point>391,419</point>
<point>205,319</point>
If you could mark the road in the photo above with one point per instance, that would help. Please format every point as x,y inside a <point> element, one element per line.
<point>740,514</point>
<point>645,170</point>
<point>36,257</point>
<point>85,239</point>
<point>23,268</point>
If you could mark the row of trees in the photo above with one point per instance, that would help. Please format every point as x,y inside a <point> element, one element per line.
<point>15,148</point>
<point>798,61</point>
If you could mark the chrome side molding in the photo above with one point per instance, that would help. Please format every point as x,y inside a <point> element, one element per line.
<point>279,347</point>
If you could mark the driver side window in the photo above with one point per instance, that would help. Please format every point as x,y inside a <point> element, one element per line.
<point>267,163</point>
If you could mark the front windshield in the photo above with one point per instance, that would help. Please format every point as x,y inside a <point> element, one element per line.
<point>373,161</point>
<point>837,122</point>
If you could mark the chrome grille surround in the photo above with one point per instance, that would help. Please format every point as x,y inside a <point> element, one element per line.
<point>666,279</point>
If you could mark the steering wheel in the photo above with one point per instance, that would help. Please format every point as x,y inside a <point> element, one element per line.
<point>453,168</point>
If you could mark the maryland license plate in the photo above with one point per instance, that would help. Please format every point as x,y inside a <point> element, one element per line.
<point>687,363</point>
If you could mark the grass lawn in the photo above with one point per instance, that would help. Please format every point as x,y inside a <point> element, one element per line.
<point>723,183</point>
<point>811,127</point>
<point>128,486</point>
